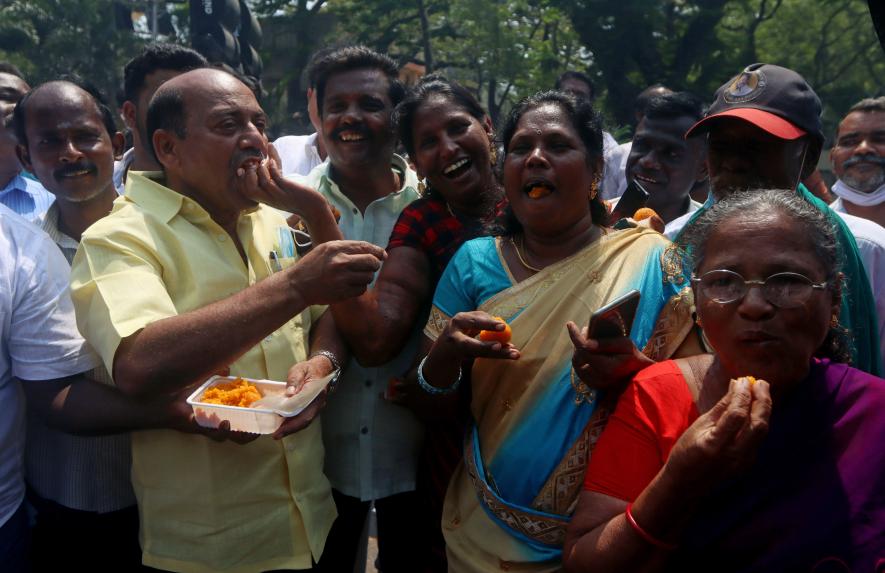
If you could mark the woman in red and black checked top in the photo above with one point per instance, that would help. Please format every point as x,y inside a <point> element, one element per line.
<point>449,138</point>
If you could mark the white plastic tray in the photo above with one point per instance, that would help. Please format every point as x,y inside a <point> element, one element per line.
<point>252,420</point>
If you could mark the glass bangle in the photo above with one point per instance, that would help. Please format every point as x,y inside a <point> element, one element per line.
<point>429,388</point>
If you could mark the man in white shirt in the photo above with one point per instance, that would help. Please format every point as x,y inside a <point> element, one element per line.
<point>39,343</point>
<point>299,154</point>
<point>858,157</point>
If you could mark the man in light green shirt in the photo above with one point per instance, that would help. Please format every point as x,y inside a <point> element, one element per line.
<point>372,446</point>
<point>189,275</point>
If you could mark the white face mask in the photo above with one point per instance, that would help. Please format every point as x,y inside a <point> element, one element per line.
<point>859,198</point>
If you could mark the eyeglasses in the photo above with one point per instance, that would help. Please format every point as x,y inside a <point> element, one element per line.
<point>783,290</point>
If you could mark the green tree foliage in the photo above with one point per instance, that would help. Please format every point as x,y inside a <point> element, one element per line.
<point>49,38</point>
<point>501,49</point>
<point>697,45</point>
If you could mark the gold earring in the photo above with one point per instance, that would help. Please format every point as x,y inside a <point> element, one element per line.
<point>493,153</point>
<point>422,188</point>
<point>834,321</point>
<point>594,189</point>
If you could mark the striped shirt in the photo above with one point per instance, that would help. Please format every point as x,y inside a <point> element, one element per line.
<point>89,473</point>
<point>26,197</point>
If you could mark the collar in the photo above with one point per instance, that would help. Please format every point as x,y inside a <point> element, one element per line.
<point>319,179</point>
<point>144,188</point>
<point>17,183</point>
<point>121,169</point>
<point>50,226</point>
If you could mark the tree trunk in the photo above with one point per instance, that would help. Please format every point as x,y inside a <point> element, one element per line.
<point>425,37</point>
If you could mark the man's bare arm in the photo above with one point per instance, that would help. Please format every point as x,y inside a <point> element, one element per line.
<point>79,405</point>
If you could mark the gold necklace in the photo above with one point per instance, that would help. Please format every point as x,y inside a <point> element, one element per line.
<point>519,256</point>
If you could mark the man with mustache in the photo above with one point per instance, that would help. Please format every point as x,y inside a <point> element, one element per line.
<point>190,275</point>
<point>23,195</point>
<point>79,484</point>
<point>372,445</point>
<point>858,157</point>
<point>763,131</point>
<point>142,75</point>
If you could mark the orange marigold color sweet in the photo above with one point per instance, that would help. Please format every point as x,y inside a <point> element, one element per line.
<point>237,392</point>
<point>502,336</point>
<point>644,213</point>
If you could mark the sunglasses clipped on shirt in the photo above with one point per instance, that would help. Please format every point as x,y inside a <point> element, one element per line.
<point>783,290</point>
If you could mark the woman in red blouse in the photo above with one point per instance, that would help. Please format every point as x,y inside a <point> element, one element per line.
<point>765,456</point>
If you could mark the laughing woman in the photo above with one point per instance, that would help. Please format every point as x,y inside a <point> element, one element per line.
<point>536,413</point>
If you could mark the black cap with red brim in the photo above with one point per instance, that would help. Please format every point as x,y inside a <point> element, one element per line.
<point>774,99</point>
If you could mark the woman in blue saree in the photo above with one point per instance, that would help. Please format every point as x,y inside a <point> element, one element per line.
<point>536,401</point>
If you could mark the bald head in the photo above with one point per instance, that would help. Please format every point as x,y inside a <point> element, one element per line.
<point>205,127</point>
<point>168,108</point>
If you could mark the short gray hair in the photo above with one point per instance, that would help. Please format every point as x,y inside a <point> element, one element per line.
<point>815,224</point>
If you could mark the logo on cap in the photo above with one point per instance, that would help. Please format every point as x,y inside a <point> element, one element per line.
<point>746,87</point>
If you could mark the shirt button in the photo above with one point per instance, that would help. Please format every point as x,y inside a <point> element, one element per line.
<point>222,238</point>
<point>505,565</point>
<point>364,430</point>
<point>290,448</point>
<point>355,211</point>
<point>456,521</point>
<point>508,405</point>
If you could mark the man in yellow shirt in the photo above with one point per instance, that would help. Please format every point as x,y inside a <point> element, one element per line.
<point>189,275</point>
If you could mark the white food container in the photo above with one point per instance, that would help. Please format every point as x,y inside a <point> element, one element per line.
<point>253,420</point>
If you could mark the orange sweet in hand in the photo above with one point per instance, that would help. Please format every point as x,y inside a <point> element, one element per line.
<point>502,336</point>
<point>644,213</point>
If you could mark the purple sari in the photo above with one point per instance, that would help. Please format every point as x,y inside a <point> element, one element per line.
<point>815,498</point>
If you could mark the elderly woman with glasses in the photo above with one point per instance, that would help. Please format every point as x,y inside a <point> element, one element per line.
<point>763,456</point>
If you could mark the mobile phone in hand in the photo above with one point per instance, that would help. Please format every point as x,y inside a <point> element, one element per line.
<point>634,198</point>
<point>615,319</point>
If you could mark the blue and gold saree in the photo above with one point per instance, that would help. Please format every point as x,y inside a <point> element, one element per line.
<point>536,422</point>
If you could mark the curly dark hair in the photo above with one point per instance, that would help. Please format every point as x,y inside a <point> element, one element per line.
<point>756,203</point>
<point>586,122</point>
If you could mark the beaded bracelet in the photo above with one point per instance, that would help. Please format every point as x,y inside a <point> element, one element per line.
<point>644,534</point>
<point>429,388</point>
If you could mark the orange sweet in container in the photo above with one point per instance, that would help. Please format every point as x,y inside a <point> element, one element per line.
<point>502,336</point>
<point>237,392</point>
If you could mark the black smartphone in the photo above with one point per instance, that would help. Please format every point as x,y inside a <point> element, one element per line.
<point>635,197</point>
<point>616,318</point>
